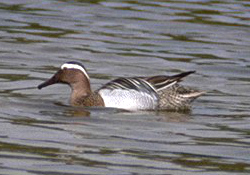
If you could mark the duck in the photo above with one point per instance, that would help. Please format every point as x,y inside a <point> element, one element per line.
<point>160,92</point>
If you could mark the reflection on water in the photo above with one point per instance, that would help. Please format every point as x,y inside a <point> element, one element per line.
<point>41,134</point>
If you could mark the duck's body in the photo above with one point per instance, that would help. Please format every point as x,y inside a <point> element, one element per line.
<point>132,93</point>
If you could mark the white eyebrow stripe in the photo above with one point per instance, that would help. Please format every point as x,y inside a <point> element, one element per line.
<point>75,66</point>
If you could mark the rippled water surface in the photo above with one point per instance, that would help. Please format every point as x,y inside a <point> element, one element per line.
<point>41,134</point>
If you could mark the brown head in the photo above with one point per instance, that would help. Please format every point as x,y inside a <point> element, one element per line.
<point>75,75</point>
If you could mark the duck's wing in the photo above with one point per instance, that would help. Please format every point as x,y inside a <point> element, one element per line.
<point>161,82</point>
<point>131,83</point>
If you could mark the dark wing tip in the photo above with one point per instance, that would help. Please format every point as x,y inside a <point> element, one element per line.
<point>184,74</point>
<point>39,87</point>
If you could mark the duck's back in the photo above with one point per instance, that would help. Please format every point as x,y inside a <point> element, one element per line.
<point>149,93</point>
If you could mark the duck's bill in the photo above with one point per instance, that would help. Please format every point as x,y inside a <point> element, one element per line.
<point>49,82</point>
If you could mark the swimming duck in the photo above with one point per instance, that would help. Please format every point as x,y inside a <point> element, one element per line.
<point>131,93</point>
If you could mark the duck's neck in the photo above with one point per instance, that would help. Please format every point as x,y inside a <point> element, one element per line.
<point>80,90</point>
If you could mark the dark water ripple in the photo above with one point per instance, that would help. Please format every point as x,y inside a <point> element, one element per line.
<point>41,134</point>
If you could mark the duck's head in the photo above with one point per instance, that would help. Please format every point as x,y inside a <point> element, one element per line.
<point>71,73</point>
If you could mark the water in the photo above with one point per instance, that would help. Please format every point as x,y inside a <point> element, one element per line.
<point>41,134</point>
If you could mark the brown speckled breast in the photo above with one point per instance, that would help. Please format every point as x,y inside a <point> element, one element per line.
<point>94,99</point>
